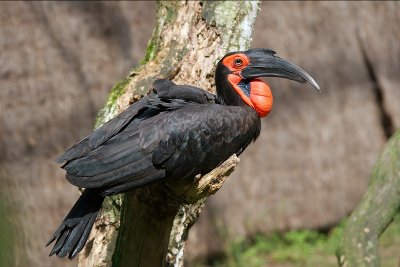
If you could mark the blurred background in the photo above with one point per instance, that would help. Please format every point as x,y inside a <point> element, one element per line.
<point>307,172</point>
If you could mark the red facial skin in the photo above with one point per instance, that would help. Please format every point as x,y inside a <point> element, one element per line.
<point>260,94</point>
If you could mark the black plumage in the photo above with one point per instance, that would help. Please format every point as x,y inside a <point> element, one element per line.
<point>163,138</point>
<point>177,131</point>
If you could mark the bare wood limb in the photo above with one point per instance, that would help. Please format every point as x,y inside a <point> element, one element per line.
<point>149,214</point>
<point>187,215</point>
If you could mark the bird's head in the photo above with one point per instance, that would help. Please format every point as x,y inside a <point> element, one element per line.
<point>237,76</point>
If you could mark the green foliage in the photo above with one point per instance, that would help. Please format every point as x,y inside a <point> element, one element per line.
<point>8,233</point>
<point>302,248</point>
<point>294,248</point>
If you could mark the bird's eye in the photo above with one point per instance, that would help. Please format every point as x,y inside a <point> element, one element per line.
<point>238,62</point>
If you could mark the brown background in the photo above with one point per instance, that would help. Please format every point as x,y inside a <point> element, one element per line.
<point>310,166</point>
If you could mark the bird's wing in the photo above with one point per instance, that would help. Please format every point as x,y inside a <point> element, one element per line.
<point>165,89</point>
<point>181,143</point>
<point>165,95</point>
<point>202,137</point>
<point>102,134</point>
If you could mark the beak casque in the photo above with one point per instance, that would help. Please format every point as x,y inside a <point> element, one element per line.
<point>263,63</point>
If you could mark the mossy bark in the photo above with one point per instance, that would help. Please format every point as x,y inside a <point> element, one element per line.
<point>359,243</point>
<point>188,40</point>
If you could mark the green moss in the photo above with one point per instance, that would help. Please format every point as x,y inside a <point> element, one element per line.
<point>172,11</point>
<point>153,46</point>
<point>151,51</point>
<point>117,90</point>
<point>142,62</point>
<point>112,207</point>
<point>109,109</point>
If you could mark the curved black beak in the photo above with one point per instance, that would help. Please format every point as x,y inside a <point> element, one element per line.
<point>265,64</point>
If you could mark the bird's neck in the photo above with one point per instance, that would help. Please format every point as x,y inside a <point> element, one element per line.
<point>225,89</point>
<point>238,92</point>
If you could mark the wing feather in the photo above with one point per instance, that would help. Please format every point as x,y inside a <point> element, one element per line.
<point>102,134</point>
<point>160,137</point>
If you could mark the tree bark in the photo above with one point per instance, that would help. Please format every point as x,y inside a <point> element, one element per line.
<point>188,40</point>
<point>359,243</point>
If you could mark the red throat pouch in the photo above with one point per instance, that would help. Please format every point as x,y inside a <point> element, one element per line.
<point>261,97</point>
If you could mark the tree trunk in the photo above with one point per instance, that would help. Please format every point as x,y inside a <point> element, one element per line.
<point>188,40</point>
<point>359,243</point>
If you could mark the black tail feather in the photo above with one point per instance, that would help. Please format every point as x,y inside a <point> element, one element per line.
<point>75,229</point>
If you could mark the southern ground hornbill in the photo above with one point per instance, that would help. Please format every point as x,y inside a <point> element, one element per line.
<point>177,131</point>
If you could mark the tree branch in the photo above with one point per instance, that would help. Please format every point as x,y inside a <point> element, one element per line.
<point>359,243</point>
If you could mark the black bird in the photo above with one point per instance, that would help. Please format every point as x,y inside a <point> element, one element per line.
<point>177,131</point>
